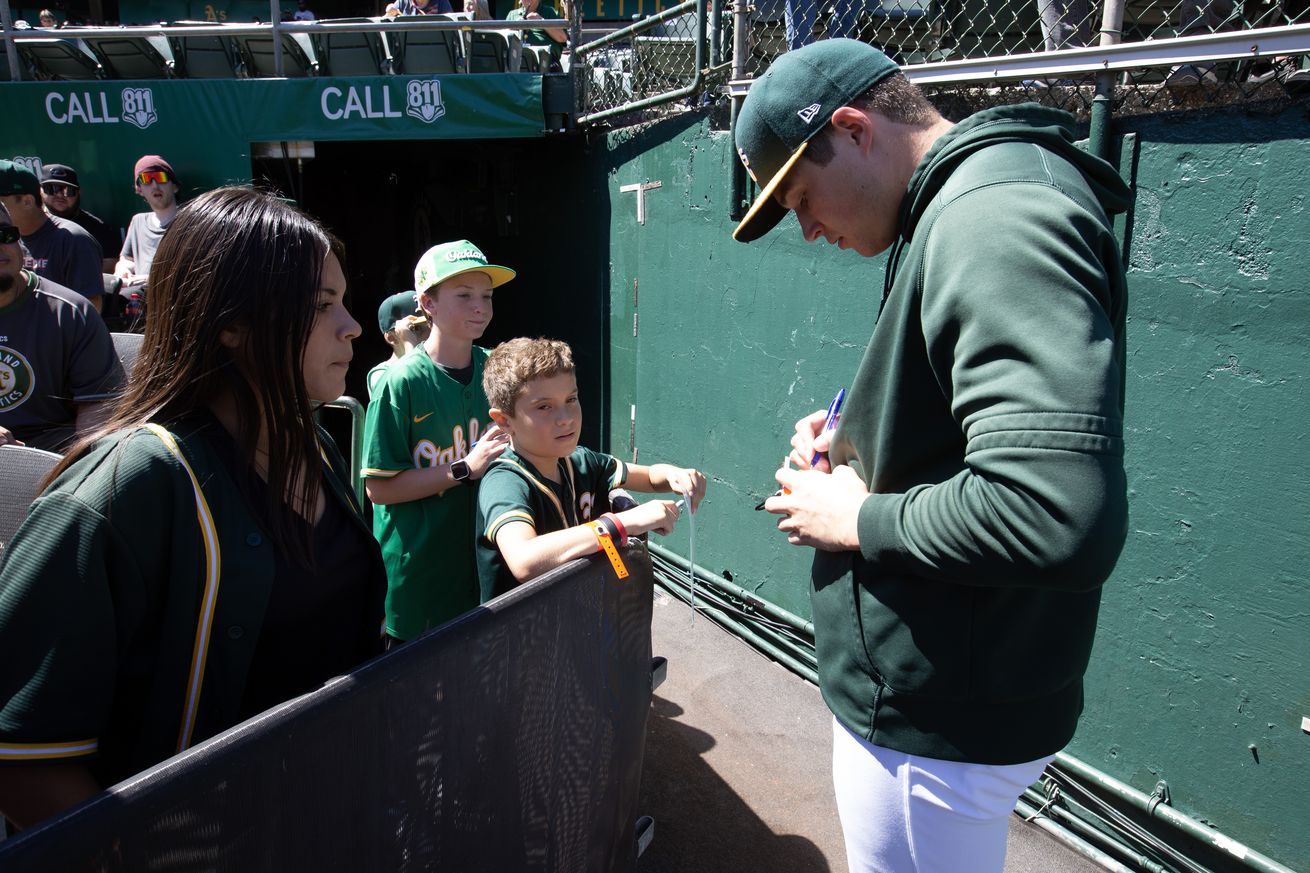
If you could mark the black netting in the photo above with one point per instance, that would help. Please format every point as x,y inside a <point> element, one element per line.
<point>511,739</point>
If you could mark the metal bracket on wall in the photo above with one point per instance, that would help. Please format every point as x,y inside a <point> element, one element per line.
<point>641,190</point>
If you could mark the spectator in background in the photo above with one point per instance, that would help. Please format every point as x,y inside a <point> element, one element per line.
<point>534,10</point>
<point>403,327</point>
<point>303,12</point>
<point>1065,24</point>
<point>158,185</point>
<point>47,18</point>
<point>63,199</point>
<point>418,7</point>
<point>56,358</point>
<point>477,10</point>
<point>57,249</point>
<point>800,16</point>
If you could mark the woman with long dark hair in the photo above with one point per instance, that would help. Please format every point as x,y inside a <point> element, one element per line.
<point>201,557</point>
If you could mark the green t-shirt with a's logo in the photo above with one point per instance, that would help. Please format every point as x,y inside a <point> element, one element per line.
<point>420,416</point>
<point>55,353</point>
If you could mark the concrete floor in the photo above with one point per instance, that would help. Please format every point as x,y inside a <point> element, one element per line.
<point>738,765</point>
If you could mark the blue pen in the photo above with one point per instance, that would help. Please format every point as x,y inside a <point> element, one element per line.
<point>830,423</point>
<point>834,410</point>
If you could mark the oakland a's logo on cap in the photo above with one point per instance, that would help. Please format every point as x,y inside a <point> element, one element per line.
<point>16,379</point>
<point>745,162</point>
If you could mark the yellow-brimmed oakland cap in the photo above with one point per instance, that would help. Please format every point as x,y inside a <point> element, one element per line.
<point>788,105</point>
<point>448,260</point>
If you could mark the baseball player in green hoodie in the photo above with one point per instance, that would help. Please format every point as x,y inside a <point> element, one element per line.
<point>972,498</point>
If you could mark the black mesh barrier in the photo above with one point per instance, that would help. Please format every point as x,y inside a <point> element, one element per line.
<point>510,739</point>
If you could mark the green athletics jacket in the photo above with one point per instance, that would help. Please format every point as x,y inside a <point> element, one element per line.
<point>110,649</point>
<point>986,419</point>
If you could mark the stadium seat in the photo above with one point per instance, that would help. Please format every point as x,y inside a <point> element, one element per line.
<point>298,57</point>
<point>493,51</point>
<point>21,470</point>
<point>418,52</point>
<point>124,56</point>
<point>205,57</point>
<point>128,348</point>
<point>66,59</point>
<point>351,54</point>
<point>531,60</point>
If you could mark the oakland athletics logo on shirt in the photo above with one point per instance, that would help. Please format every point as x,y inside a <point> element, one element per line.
<point>16,379</point>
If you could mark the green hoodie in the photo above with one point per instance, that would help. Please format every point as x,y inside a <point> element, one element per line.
<point>987,420</point>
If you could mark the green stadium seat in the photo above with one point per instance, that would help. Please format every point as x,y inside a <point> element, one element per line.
<point>204,57</point>
<point>65,59</point>
<point>124,56</point>
<point>298,56</point>
<point>419,52</point>
<point>351,54</point>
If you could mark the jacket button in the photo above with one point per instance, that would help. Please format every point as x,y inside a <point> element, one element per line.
<point>254,539</point>
<point>236,632</point>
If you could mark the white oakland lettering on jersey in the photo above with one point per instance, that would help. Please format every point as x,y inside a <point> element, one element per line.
<point>429,454</point>
<point>585,503</point>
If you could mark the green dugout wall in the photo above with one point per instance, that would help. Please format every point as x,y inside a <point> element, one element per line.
<point>1202,649</point>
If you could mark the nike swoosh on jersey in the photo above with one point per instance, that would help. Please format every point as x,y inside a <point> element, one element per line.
<point>420,418</point>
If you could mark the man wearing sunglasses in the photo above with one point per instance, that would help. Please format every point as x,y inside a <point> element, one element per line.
<point>57,249</point>
<point>158,186</point>
<point>57,362</point>
<point>63,199</point>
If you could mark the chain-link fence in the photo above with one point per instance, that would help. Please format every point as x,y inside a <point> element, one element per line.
<point>658,56</point>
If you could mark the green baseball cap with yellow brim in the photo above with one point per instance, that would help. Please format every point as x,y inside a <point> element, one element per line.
<point>448,260</point>
<point>786,107</point>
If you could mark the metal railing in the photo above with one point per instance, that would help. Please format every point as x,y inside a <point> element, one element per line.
<point>276,29</point>
<point>1162,55</point>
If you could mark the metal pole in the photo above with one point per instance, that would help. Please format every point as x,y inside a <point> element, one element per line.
<point>741,50</point>
<point>736,592</point>
<point>1167,814</point>
<point>1102,143</point>
<point>1071,840</point>
<point>275,18</point>
<point>11,49</point>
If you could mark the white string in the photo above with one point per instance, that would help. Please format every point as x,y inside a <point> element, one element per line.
<point>691,552</point>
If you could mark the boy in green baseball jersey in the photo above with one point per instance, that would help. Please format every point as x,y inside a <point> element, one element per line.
<point>428,439</point>
<point>401,329</point>
<point>545,501</point>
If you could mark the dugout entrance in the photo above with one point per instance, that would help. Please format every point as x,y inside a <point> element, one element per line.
<point>516,199</point>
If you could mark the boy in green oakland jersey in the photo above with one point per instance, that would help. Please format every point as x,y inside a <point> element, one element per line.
<point>545,501</point>
<point>428,438</point>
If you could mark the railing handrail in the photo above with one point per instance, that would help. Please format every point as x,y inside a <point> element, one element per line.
<point>253,29</point>
<point>1265,42</point>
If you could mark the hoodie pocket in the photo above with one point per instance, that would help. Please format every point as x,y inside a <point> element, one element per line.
<point>916,634</point>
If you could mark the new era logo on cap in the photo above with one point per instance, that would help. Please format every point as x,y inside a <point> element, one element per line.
<point>807,114</point>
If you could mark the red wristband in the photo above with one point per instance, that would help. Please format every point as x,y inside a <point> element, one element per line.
<point>618,525</point>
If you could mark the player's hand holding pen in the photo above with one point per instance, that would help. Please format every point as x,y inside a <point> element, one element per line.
<point>819,505</point>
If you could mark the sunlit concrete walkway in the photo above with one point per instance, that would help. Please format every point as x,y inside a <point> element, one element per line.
<point>738,765</point>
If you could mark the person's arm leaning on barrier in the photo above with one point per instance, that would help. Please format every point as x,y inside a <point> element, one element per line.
<point>528,554</point>
<point>1026,345</point>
